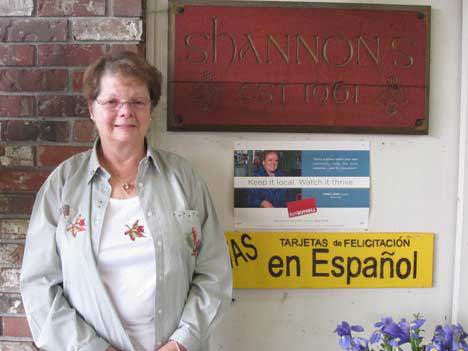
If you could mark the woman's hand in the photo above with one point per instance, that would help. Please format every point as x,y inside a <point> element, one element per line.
<point>172,346</point>
<point>266,204</point>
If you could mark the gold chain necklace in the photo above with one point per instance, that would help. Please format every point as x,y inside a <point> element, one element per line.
<point>127,186</point>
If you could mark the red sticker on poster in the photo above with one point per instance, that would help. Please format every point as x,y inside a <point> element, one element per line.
<point>302,207</point>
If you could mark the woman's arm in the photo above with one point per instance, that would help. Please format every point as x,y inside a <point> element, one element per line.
<point>54,323</point>
<point>255,197</point>
<point>172,346</point>
<point>211,286</point>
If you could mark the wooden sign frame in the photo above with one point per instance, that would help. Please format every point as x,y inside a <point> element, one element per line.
<point>298,67</point>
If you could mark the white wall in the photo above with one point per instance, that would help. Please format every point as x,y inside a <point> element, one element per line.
<point>413,188</point>
<point>459,303</point>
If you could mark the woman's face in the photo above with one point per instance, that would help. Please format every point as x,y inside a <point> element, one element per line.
<point>122,110</point>
<point>271,162</point>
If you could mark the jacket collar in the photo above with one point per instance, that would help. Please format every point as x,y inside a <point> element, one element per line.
<point>95,167</point>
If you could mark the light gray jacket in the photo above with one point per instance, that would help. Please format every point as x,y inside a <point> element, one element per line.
<point>66,303</point>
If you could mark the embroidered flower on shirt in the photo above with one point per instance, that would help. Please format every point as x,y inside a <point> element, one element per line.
<point>135,231</point>
<point>195,242</point>
<point>77,226</point>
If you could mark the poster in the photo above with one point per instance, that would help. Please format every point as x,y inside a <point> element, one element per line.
<point>301,185</point>
<point>267,260</point>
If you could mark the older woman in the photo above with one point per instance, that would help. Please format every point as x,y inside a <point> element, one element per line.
<point>124,250</point>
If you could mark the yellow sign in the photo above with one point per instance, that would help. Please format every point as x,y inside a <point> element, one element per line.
<point>331,260</point>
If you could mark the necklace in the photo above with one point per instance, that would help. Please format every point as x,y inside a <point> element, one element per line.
<point>127,186</point>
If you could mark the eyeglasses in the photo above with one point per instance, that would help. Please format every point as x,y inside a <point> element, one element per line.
<point>115,104</point>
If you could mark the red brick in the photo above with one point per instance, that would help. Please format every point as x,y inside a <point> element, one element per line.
<point>68,54</point>
<point>13,229</point>
<point>9,279</point>
<point>137,48</point>
<point>16,106</point>
<point>11,255</point>
<point>27,30</point>
<point>127,8</point>
<point>62,105</point>
<point>53,155</point>
<point>16,204</point>
<point>106,29</point>
<point>16,55</point>
<point>84,131</point>
<point>11,304</point>
<point>71,8</point>
<point>16,155</point>
<point>16,8</point>
<point>17,346</point>
<point>18,181</point>
<point>15,326</point>
<point>34,131</point>
<point>77,82</point>
<point>33,79</point>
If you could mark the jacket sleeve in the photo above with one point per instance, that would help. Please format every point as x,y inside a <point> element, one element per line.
<point>254,197</point>
<point>211,286</point>
<point>54,324</point>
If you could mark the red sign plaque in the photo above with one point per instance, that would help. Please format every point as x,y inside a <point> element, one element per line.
<point>301,67</point>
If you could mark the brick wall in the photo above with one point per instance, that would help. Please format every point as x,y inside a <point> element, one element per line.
<point>44,47</point>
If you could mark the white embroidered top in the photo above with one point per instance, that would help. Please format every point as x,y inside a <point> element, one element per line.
<point>126,262</point>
